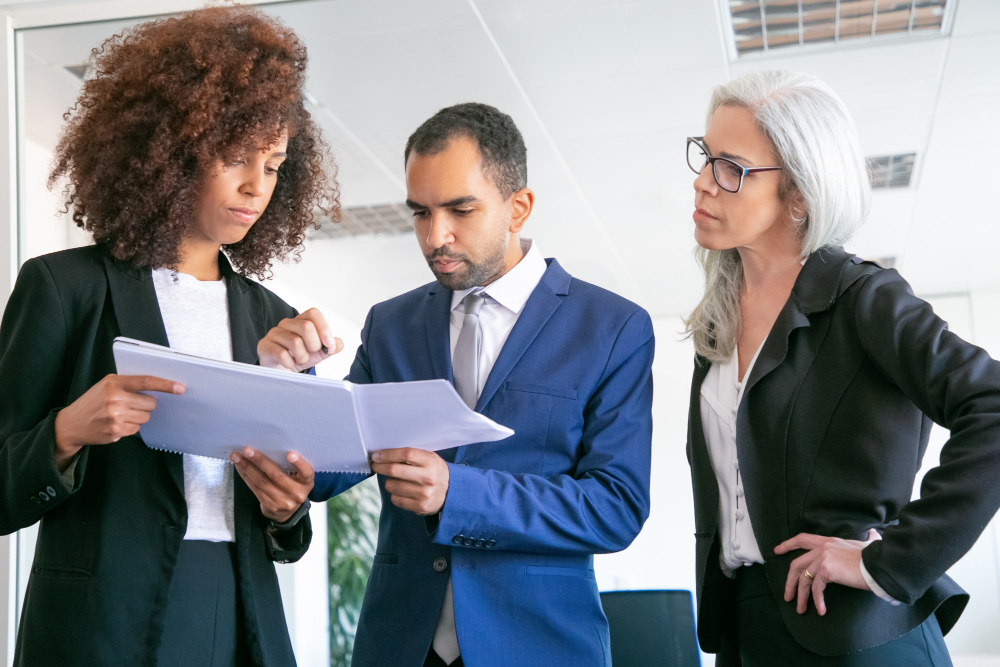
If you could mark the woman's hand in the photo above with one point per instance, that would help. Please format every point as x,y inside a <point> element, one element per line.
<point>827,560</point>
<point>298,344</point>
<point>110,410</point>
<point>280,493</point>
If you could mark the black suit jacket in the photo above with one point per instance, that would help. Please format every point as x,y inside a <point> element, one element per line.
<point>107,547</point>
<point>831,431</point>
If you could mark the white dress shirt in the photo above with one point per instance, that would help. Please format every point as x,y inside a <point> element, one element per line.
<point>721,394</point>
<point>503,304</point>
<point>196,317</point>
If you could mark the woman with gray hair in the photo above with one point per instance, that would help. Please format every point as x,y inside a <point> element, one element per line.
<point>816,380</point>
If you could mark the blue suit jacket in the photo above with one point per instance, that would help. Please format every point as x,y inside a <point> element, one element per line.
<point>523,516</point>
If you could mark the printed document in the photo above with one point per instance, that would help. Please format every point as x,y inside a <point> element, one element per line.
<point>332,424</point>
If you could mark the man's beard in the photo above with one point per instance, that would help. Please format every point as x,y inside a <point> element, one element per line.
<point>472,273</point>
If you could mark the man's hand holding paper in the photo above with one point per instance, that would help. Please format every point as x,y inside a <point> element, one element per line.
<point>417,479</point>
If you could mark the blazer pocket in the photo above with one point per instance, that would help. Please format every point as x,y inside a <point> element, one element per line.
<point>530,388</point>
<point>386,559</point>
<point>560,571</point>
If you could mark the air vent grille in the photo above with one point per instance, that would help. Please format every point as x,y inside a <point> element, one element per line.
<point>79,71</point>
<point>891,171</point>
<point>389,219</point>
<point>761,25</point>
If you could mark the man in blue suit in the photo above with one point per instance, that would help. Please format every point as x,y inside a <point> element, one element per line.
<point>485,552</point>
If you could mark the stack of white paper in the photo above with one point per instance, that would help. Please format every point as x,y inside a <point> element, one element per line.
<point>332,424</point>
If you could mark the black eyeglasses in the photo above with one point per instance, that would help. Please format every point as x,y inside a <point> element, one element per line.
<point>728,174</point>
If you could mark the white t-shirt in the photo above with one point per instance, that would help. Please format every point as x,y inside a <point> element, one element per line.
<point>196,316</point>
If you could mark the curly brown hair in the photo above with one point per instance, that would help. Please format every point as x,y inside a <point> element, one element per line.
<point>164,101</point>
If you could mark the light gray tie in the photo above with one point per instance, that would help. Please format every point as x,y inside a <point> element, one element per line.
<point>465,363</point>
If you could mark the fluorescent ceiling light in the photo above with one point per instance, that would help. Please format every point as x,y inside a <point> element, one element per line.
<point>891,171</point>
<point>390,219</point>
<point>762,25</point>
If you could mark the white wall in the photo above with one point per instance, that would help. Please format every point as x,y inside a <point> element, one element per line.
<point>46,229</point>
<point>305,595</point>
<point>663,554</point>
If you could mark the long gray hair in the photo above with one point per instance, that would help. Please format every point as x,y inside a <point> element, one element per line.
<point>817,143</point>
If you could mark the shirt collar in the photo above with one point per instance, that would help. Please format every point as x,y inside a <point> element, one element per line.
<point>512,289</point>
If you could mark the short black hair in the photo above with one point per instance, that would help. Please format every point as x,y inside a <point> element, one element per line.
<point>505,158</point>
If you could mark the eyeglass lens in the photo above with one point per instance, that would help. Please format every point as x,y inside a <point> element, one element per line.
<point>696,157</point>
<point>727,174</point>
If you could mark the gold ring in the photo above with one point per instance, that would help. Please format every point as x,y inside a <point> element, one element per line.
<point>809,576</point>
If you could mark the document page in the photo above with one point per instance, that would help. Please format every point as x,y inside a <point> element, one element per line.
<point>332,424</point>
<point>428,415</point>
<point>228,405</point>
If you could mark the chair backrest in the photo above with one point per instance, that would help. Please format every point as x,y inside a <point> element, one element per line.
<point>651,628</point>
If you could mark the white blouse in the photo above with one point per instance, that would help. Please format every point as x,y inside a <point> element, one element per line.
<point>721,393</point>
<point>196,317</point>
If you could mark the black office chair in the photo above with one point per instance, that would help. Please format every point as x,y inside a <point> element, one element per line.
<point>651,628</point>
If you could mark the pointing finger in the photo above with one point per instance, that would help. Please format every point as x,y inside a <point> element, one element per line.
<point>136,383</point>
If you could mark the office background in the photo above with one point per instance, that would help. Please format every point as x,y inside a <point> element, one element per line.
<point>605,92</point>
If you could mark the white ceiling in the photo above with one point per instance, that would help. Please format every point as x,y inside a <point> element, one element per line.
<point>605,91</point>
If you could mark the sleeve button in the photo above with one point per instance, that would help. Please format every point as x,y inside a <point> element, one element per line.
<point>468,541</point>
<point>44,496</point>
<point>457,539</point>
<point>51,491</point>
<point>35,500</point>
<point>491,544</point>
<point>480,543</point>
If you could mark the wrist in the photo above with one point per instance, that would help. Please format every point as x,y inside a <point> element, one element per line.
<point>292,519</point>
<point>66,448</point>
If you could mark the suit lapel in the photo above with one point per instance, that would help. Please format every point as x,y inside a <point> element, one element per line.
<point>138,313</point>
<point>436,327</point>
<point>775,347</point>
<point>134,299</point>
<point>542,303</point>
<point>246,322</point>
<point>438,336</point>
<point>763,458</point>
<point>537,311</point>
<point>243,319</point>
<point>814,291</point>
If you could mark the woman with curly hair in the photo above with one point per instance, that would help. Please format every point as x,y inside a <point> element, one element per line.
<point>191,160</point>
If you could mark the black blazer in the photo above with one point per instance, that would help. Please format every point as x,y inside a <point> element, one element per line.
<point>830,435</point>
<point>107,547</point>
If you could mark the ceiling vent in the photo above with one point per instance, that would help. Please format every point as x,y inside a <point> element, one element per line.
<point>386,219</point>
<point>762,25</point>
<point>79,71</point>
<point>891,171</point>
